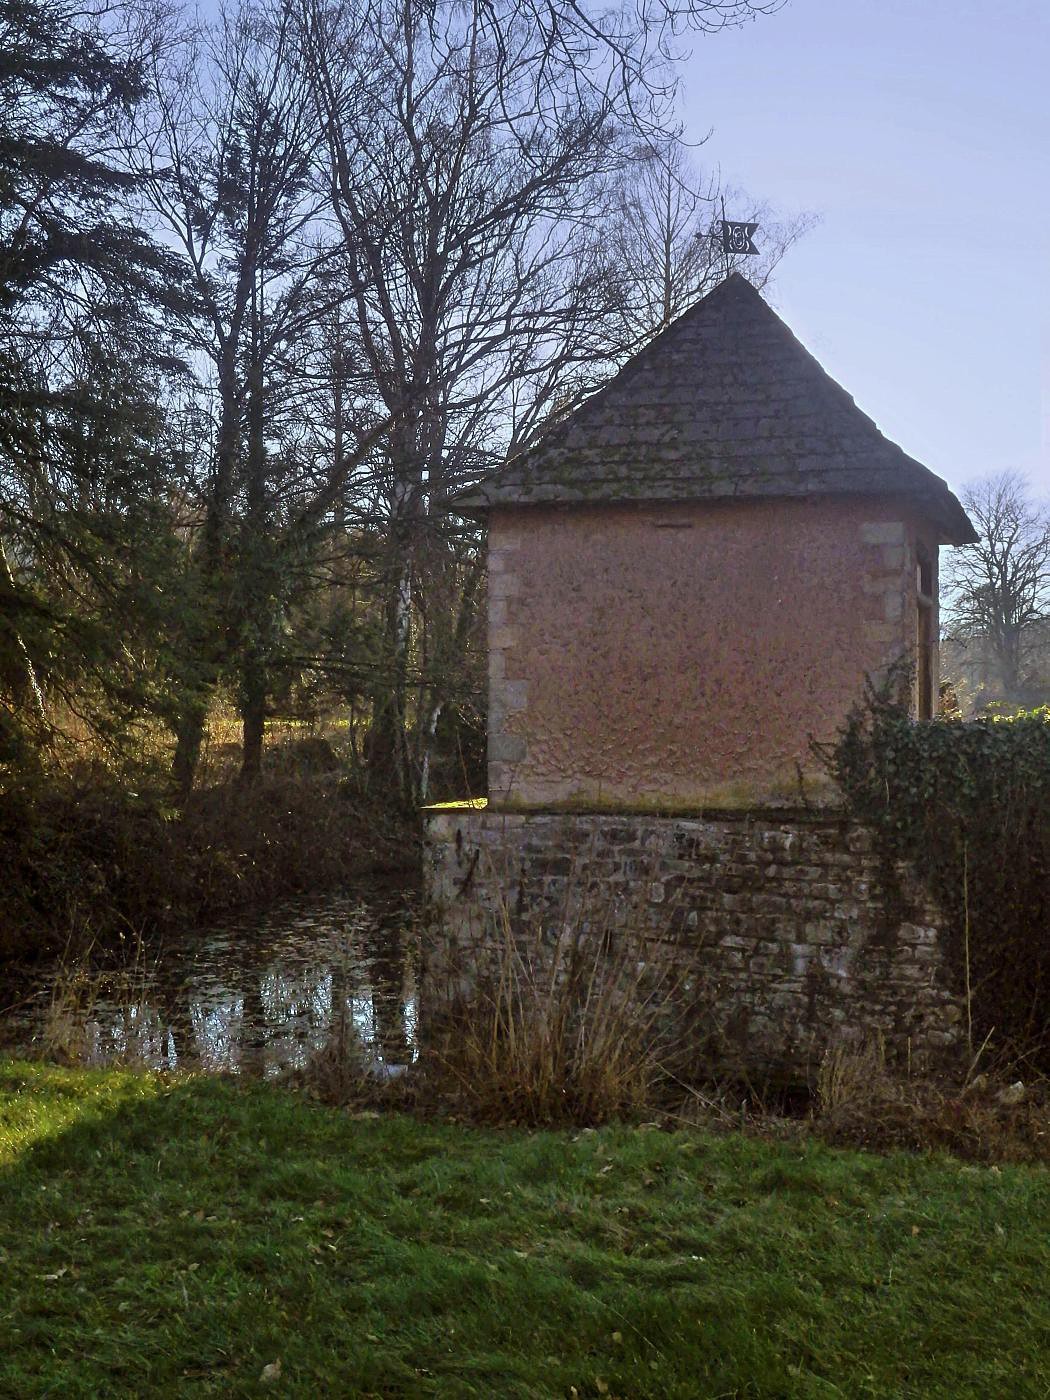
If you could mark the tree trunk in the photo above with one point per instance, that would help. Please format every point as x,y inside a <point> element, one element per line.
<point>189,738</point>
<point>32,684</point>
<point>205,636</point>
<point>253,716</point>
<point>388,747</point>
<point>1010,664</point>
<point>255,619</point>
<point>446,655</point>
<point>429,732</point>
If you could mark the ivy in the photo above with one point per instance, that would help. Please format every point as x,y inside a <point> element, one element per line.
<point>967,805</point>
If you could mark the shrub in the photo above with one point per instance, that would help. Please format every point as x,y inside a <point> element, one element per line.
<point>967,804</point>
<point>87,862</point>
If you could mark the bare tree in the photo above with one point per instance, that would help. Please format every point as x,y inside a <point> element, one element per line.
<point>226,160</point>
<point>391,216</point>
<point>474,158</point>
<point>1000,586</point>
<point>466,191</point>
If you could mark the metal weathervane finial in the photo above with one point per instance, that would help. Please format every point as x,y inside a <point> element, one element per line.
<point>737,238</point>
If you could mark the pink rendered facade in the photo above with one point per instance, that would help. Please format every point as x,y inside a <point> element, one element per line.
<point>684,655</point>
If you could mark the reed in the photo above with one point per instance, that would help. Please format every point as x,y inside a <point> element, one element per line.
<point>580,1015</point>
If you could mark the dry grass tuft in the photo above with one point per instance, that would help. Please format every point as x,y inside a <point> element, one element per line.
<point>572,1021</point>
<point>73,1031</point>
<point>851,1074</point>
<point>345,1073</point>
<point>860,1103</point>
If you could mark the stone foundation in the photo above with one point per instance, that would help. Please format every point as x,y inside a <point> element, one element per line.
<point>790,930</point>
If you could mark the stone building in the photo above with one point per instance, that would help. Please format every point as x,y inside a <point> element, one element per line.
<point>689,579</point>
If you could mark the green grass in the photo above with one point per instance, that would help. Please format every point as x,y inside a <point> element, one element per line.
<point>174,1238</point>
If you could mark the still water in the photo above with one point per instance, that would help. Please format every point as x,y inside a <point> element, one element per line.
<point>259,994</point>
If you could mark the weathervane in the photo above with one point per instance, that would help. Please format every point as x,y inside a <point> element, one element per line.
<point>737,238</point>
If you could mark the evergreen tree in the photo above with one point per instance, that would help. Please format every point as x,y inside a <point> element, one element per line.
<point>85,495</point>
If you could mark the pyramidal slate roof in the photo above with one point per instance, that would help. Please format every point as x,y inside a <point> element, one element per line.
<point>724,403</point>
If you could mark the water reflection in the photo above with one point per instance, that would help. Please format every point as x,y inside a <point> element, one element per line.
<point>260,995</point>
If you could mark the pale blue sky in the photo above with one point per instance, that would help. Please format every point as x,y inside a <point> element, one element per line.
<point>919,131</point>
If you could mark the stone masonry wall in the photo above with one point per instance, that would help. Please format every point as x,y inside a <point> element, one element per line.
<point>794,934</point>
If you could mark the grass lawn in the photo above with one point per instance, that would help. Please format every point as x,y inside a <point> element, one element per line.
<point>176,1238</point>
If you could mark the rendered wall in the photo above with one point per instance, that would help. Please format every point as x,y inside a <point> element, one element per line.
<point>683,656</point>
<point>793,933</point>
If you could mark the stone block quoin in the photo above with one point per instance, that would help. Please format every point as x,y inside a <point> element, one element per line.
<point>508,692</point>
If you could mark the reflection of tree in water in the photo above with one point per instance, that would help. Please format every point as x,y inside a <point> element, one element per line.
<point>257,1018</point>
<point>295,1014</point>
<point>385,951</point>
<point>176,1011</point>
<point>257,998</point>
<point>218,1033</point>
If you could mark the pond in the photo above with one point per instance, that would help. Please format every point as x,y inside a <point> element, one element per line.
<point>259,994</point>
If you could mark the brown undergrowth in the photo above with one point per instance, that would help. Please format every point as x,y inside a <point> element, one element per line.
<point>522,1059</point>
<point>88,862</point>
<point>72,1033</point>
<point>573,1022</point>
<point>985,1116</point>
<point>979,1121</point>
<point>522,1054</point>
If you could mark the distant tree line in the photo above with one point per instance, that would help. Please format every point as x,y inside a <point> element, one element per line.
<point>273,287</point>
<point>997,633</point>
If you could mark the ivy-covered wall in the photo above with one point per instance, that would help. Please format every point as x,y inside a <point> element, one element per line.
<point>964,807</point>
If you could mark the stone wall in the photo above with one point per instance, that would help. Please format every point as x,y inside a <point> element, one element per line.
<point>794,933</point>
